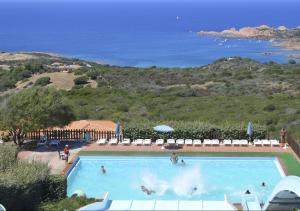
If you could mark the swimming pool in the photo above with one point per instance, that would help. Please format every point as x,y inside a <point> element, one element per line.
<point>202,178</point>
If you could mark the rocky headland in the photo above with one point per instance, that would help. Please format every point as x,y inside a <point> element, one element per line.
<point>280,36</point>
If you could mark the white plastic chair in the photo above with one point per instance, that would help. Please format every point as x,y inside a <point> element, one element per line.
<point>274,143</point>
<point>147,142</point>
<point>138,142</point>
<point>188,142</point>
<point>113,141</point>
<point>126,141</point>
<point>257,142</point>
<point>207,142</point>
<point>170,141</point>
<point>197,142</point>
<point>101,141</point>
<point>227,142</point>
<point>159,142</point>
<point>180,142</point>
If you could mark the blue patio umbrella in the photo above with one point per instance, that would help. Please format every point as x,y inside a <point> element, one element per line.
<point>118,130</point>
<point>250,129</point>
<point>163,128</point>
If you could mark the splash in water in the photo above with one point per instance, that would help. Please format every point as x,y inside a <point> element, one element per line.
<point>151,181</point>
<point>187,182</point>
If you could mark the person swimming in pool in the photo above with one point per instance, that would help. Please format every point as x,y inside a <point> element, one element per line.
<point>174,158</point>
<point>182,163</point>
<point>194,189</point>
<point>146,190</point>
<point>263,184</point>
<point>103,170</point>
<point>247,192</point>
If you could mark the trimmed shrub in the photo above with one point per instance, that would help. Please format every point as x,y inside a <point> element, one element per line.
<point>269,108</point>
<point>66,204</point>
<point>43,81</point>
<point>93,75</point>
<point>193,130</point>
<point>55,187</point>
<point>8,156</point>
<point>292,61</point>
<point>81,80</point>
<point>24,185</point>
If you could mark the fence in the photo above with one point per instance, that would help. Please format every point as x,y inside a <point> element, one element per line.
<point>70,134</point>
<point>294,145</point>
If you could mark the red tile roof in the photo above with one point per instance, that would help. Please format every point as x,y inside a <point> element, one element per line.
<point>99,125</point>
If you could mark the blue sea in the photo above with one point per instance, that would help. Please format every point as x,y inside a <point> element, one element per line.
<point>143,33</point>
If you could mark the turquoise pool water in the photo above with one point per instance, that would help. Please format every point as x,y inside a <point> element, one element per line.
<point>212,177</point>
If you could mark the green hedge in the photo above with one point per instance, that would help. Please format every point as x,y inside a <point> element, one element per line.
<point>43,81</point>
<point>55,187</point>
<point>193,130</point>
<point>24,185</point>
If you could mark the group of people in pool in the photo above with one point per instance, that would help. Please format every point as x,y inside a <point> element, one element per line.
<point>263,184</point>
<point>174,160</point>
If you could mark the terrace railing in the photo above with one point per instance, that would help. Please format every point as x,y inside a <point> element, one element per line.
<point>294,145</point>
<point>71,135</point>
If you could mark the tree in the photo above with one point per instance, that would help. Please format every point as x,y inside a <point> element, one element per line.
<point>292,61</point>
<point>34,109</point>
<point>43,81</point>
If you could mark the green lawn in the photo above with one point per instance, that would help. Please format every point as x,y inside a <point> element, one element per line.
<point>290,162</point>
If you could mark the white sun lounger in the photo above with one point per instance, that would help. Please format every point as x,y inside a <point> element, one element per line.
<point>257,142</point>
<point>113,141</point>
<point>215,142</point>
<point>147,142</point>
<point>126,141</point>
<point>180,142</point>
<point>244,142</point>
<point>226,142</point>
<point>101,141</point>
<point>207,142</point>
<point>275,143</point>
<point>190,205</point>
<point>170,141</point>
<point>159,142</point>
<point>120,205</point>
<point>236,142</point>
<point>188,142</point>
<point>197,142</point>
<point>138,142</point>
<point>266,142</point>
<point>166,205</point>
<point>142,205</point>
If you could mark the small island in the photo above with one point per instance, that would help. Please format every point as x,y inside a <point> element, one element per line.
<point>280,36</point>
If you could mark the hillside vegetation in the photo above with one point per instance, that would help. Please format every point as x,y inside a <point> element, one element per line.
<point>229,90</point>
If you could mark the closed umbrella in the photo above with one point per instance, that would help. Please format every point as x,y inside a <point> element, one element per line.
<point>250,129</point>
<point>118,130</point>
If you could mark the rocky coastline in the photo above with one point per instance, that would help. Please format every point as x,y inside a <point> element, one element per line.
<point>280,36</point>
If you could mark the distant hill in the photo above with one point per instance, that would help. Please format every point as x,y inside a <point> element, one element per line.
<point>228,90</point>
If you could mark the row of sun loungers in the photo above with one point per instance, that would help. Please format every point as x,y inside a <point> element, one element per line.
<point>265,142</point>
<point>190,142</point>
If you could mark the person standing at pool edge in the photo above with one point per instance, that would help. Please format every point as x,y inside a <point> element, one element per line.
<point>67,153</point>
<point>283,133</point>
